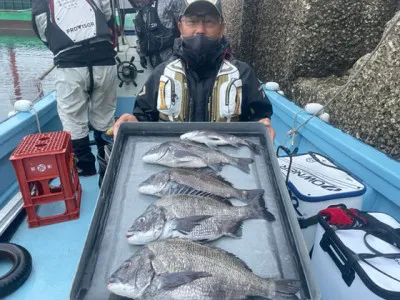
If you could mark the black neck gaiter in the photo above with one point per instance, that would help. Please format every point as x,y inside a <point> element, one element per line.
<point>202,52</point>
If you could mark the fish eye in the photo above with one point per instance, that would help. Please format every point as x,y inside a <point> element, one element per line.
<point>126,265</point>
<point>141,219</point>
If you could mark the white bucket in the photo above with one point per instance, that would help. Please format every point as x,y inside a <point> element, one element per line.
<point>355,279</point>
<point>316,183</point>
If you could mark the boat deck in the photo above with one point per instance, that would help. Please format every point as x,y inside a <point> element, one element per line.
<point>64,242</point>
<point>56,249</point>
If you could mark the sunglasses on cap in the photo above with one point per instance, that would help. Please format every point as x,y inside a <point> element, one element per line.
<point>209,21</point>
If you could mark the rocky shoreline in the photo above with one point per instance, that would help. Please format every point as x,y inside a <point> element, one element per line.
<point>313,47</point>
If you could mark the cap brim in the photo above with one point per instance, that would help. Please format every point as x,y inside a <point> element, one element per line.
<point>198,6</point>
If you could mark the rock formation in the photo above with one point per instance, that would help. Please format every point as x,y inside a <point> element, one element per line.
<point>313,47</point>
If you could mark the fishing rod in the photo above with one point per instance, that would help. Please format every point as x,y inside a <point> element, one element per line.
<point>47,72</point>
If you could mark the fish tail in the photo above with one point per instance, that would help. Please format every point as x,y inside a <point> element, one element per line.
<point>249,196</point>
<point>257,210</point>
<point>286,288</point>
<point>243,163</point>
<point>267,288</point>
<point>254,147</point>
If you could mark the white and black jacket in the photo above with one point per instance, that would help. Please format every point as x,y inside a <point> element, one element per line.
<point>254,106</point>
<point>78,32</point>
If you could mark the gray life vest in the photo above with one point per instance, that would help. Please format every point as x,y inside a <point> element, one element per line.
<point>74,22</point>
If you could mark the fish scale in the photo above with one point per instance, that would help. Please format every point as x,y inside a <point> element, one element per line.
<point>181,269</point>
<point>190,155</point>
<point>213,139</point>
<point>194,182</point>
<point>214,260</point>
<point>193,217</point>
<point>188,177</point>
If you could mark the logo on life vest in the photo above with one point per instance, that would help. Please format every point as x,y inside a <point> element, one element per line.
<point>79,27</point>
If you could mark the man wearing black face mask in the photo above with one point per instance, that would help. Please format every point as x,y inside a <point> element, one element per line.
<point>202,81</point>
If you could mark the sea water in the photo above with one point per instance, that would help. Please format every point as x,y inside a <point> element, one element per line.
<point>22,61</point>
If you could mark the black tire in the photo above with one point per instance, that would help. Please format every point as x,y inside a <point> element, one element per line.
<point>19,273</point>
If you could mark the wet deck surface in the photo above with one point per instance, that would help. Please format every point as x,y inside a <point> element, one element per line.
<point>62,243</point>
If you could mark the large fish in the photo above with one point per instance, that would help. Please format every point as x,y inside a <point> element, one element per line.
<point>193,217</point>
<point>181,269</point>
<point>193,182</point>
<point>191,155</point>
<point>213,139</point>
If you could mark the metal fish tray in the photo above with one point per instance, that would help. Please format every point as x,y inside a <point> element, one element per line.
<point>270,249</point>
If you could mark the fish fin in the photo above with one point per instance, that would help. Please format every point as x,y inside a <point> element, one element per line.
<point>222,179</point>
<point>257,210</point>
<point>206,170</point>
<point>287,287</point>
<point>212,196</point>
<point>181,189</point>
<point>236,145</point>
<point>221,199</point>
<point>235,230</point>
<point>169,281</point>
<point>195,192</point>
<point>216,167</point>
<point>254,147</point>
<point>187,190</point>
<point>211,145</point>
<point>202,241</point>
<point>242,163</point>
<point>249,196</point>
<point>186,225</point>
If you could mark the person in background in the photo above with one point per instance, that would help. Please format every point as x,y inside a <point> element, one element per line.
<point>80,35</point>
<point>125,8</point>
<point>202,82</point>
<point>156,28</point>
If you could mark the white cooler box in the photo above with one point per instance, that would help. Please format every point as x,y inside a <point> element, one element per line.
<point>316,183</point>
<point>341,275</point>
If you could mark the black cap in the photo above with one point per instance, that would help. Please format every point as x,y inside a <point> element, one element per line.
<point>190,6</point>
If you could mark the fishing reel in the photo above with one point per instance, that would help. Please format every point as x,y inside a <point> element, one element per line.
<point>127,71</point>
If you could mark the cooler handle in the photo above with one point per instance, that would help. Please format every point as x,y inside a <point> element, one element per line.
<point>342,262</point>
<point>315,157</point>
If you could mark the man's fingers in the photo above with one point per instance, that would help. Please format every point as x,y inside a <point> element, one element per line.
<point>110,131</point>
<point>267,122</point>
<point>124,118</point>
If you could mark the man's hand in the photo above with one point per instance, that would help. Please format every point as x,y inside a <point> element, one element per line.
<point>143,62</point>
<point>122,119</point>
<point>267,123</point>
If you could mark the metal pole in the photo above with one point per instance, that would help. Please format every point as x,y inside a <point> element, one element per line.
<point>121,27</point>
<point>115,23</point>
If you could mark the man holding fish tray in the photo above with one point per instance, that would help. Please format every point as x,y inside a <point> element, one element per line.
<point>202,82</point>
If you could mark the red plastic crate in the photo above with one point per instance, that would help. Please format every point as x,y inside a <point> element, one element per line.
<point>38,160</point>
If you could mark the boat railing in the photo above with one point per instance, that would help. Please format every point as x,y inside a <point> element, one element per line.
<point>15,5</point>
